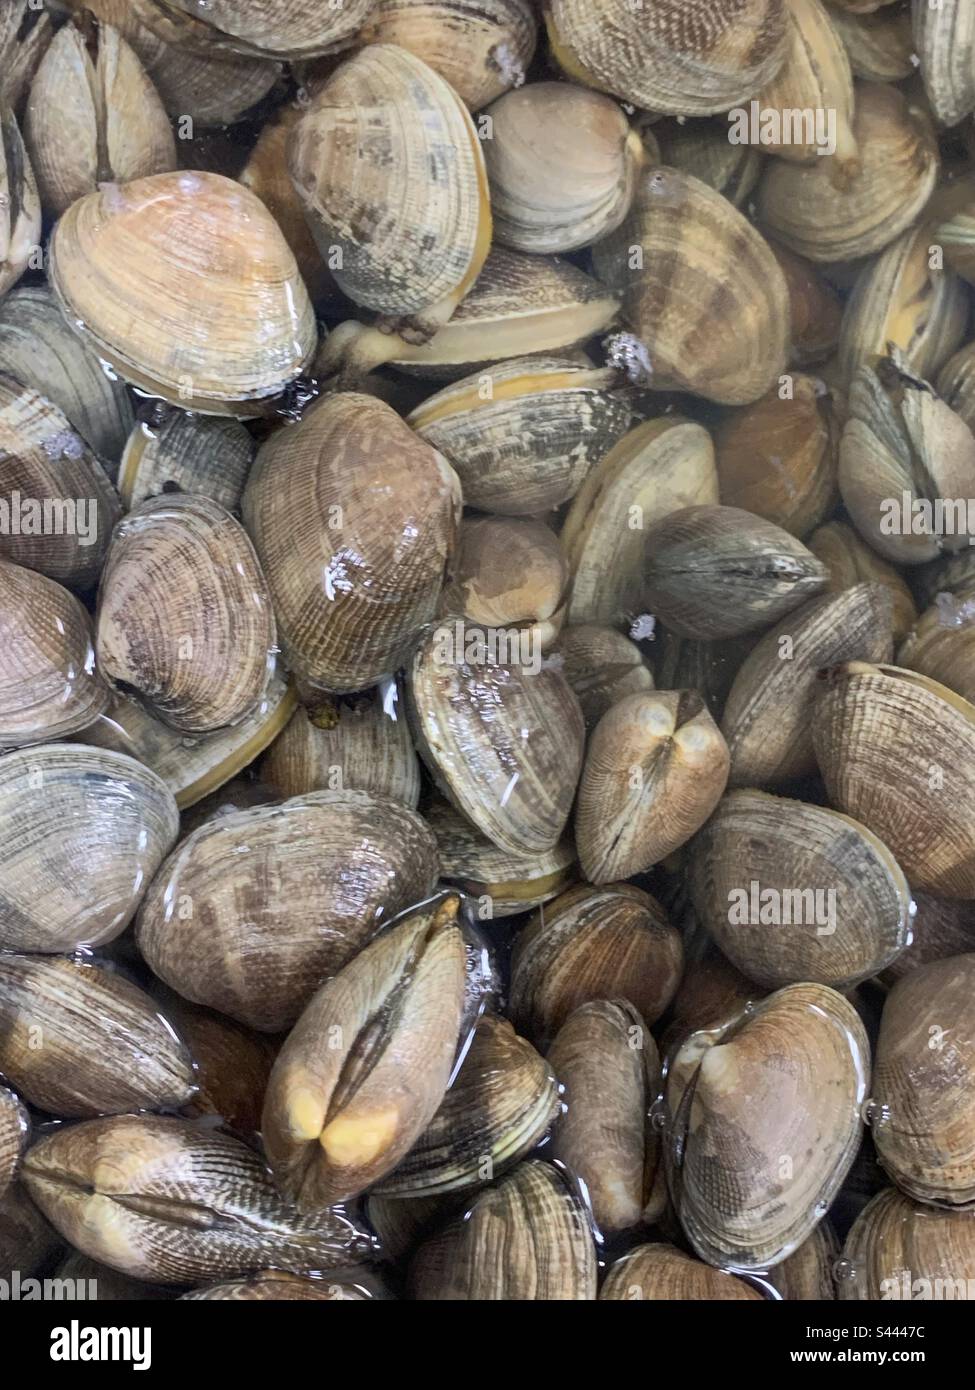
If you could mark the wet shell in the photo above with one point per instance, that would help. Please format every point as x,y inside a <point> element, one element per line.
<point>265,28</point>
<point>27,1242</point>
<point>922,1087</point>
<point>14,1130</point>
<point>25,32</point>
<point>354,519</point>
<point>941,644</point>
<point>184,614</point>
<point>602,666</point>
<point>528,1239</point>
<point>164,1200</point>
<point>833,906</point>
<point>83,831</point>
<point>815,76</point>
<point>257,907</point>
<point>50,688</point>
<point>899,1249</point>
<point>184,283</point>
<point>79,1040</point>
<point>941,927</point>
<point>275,1285</point>
<point>769,1127</point>
<point>508,572</point>
<point>504,742</point>
<point>850,562</point>
<point>593,943</point>
<point>880,46</point>
<point>815,310</point>
<point>186,453</point>
<point>702,148</point>
<point>232,1065</point>
<point>111,1286</point>
<point>956,383</point>
<point>20,206</point>
<point>944,35</point>
<point>808,1274</point>
<point>338,1118</point>
<point>711,992</point>
<point>662,1273</point>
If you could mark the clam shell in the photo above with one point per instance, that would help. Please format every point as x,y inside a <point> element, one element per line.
<point>264,28</point>
<point>20,206</point>
<point>807,1275</point>
<point>880,45</point>
<point>508,572</point>
<point>25,33</point>
<point>850,562</point>
<point>956,383</point>
<point>186,453</point>
<point>944,39</point>
<point>14,1129</point>
<point>107,1285</point>
<point>941,928</point>
<point>815,309</point>
<point>711,992</point>
<point>662,1273</point>
<point>899,1249</point>
<point>27,1242</point>
<point>602,666</point>
<point>941,646</point>
<point>815,76</point>
<point>274,1285</point>
<point>702,148</point>
<point>233,1065</point>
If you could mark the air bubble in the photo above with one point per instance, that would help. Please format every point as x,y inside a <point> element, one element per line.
<point>875,1115</point>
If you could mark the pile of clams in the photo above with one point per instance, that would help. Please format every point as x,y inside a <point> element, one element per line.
<point>487,648</point>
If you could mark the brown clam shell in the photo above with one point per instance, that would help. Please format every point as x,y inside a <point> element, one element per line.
<point>662,1273</point>
<point>898,1249</point>
<point>14,1129</point>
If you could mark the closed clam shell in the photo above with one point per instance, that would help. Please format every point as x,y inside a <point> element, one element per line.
<point>83,831</point>
<point>895,750</point>
<point>705,300</point>
<point>662,1273</point>
<point>593,943</point>
<point>602,666</point>
<point>793,892</point>
<point>880,46</point>
<point>14,1129</point>
<point>608,1065</point>
<point>689,57</point>
<point>79,1040</point>
<point>106,1285</point>
<point>27,1243</point>
<point>807,1275</point>
<point>769,1126</point>
<point>925,1110</point>
<point>702,148</point>
<point>767,716</point>
<point>944,38</point>
<point>955,382</point>
<point>256,908</point>
<point>184,614</point>
<point>274,1285</point>
<point>265,28</point>
<point>354,520</point>
<point>941,645</point>
<point>711,992</point>
<point>20,205</point>
<point>508,572</point>
<point>172,451</point>
<point>901,1249</point>
<point>523,436</point>
<point>184,283</point>
<point>656,765</point>
<point>232,1065</point>
<point>815,76</point>
<point>942,927</point>
<point>499,1107</point>
<point>50,688</point>
<point>850,562</point>
<point>505,742</point>
<point>527,1239</point>
<point>165,1200</point>
<point>721,572</point>
<point>337,1118</point>
<point>25,33</point>
<point>815,309</point>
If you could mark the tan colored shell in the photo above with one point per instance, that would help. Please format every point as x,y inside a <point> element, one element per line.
<point>706,300</point>
<point>702,148</point>
<point>662,1273</point>
<point>815,310</point>
<point>481,47</point>
<point>792,892</point>
<point>922,1083</point>
<point>232,1065</point>
<point>801,206</point>
<point>354,520</point>
<point>105,1048</point>
<point>14,1130</point>
<point>689,57</point>
<point>50,688</point>
<point>850,562</point>
<point>956,383</point>
<point>241,793</point>
<point>770,1126</point>
<point>337,1118</point>
<point>593,943</point>
<point>27,1242</point>
<point>523,436</point>
<point>25,32</point>
<point>184,283</point>
<point>20,205</point>
<point>941,645</point>
<point>508,572</point>
<point>656,766</point>
<point>658,468</point>
<point>61,507</point>
<point>900,1249</point>
<point>273,1285</point>
<point>111,1286</point>
<point>526,1239</point>
<point>767,715</point>
<point>880,45</point>
<point>944,36</point>
<point>711,992</point>
<point>896,752</point>
<point>504,742</point>
<point>93,117</point>
<point>401,1222</point>
<point>363,744</point>
<point>172,451</point>
<point>306,913</point>
<point>92,827</point>
<point>602,666</point>
<point>816,76</point>
<point>165,1200</point>
<point>263,28</point>
<point>956,236</point>
<point>184,614</point>
<point>807,1275</point>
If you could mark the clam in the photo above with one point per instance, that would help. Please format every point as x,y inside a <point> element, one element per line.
<point>689,57</point>
<point>50,688</point>
<point>711,992</point>
<point>807,1275</point>
<point>686,663</point>
<point>93,117</point>
<point>523,436</point>
<point>769,1126</point>
<point>366,1066</point>
<point>944,36</point>
<point>164,1200</point>
<point>607,1063</point>
<point>662,1273</point>
<point>77,1039</point>
<point>767,716</point>
<point>171,451</point>
<point>895,750</point>
<point>956,236</point>
<point>185,285</point>
<point>925,1111</point>
<point>815,76</point>
<point>499,1107</point>
<point>801,206</point>
<point>656,766</point>
<point>14,1129</point>
<point>503,740</point>
<point>27,1242</point>
<point>25,32</point>
<point>880,46</point>
<point>850,562</point>
<point>20,207</point>
<point>721,572</point>
<point>942,927</point>
<point>481,47</point>
<point>941,646</point>
<point>952,575</point>
<point>702,148</point>
<point>527,1239</point>
<point>256,908</point>
<point>955,383</point>
<point>232,1066</point>
<point>703,297</point>
<point>107,1285</point>
<point>602,666</point>
<point>83,831</point>
<point>354,520</point>
<point>362,743</point>
<point>793,892</point>
<point>593,943</point>
<point>242,793</point>
<point>184,614</point>
<point>815,309</point>
<point>265,28</point>
<point>508,572</point>
<point>899,1249</point>
<point>276,1285</point>
<point>657,469</point>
